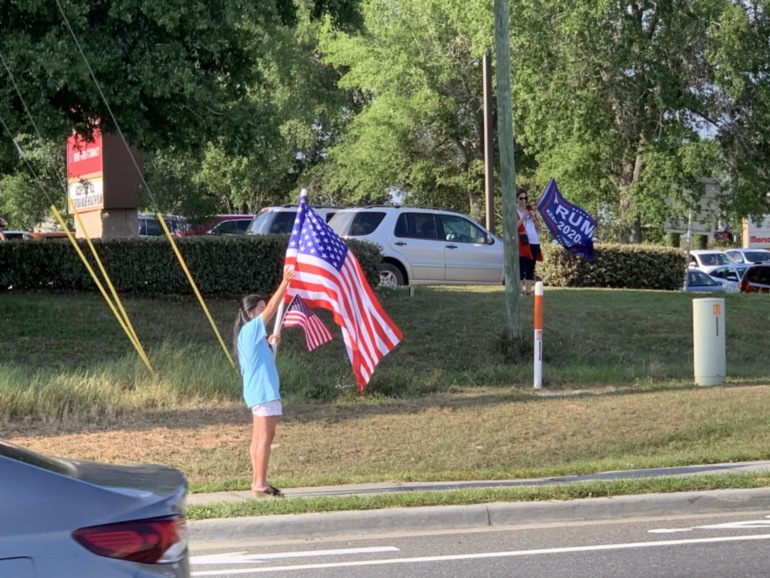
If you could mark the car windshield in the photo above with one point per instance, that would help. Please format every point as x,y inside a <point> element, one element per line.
<point>711,259</point>
<point>700,279</point>
<point>756,256</point>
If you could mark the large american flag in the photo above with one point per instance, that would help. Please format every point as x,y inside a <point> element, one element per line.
<point>298,314</point>
<point>327,274</point>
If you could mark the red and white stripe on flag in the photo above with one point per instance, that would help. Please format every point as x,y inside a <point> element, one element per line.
<point>298,314</point>
<point>327,274</point>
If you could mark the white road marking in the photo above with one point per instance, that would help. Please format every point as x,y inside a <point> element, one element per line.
<point>726,526</point>
<point>243,558</point>
<point>602,547</point>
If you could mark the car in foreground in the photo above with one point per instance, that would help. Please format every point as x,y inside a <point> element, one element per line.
<point>64,517</point>
<point>708,260</point>
<point>756,279</point>
<point>280,219</point>
<point>700,282</point>
<point>425,246</point>
<point>749,256</point>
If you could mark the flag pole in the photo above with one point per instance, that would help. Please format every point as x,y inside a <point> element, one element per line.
<point>277,327</point>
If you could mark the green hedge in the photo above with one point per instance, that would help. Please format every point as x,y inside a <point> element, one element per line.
<point>243,263</point>
<point>228,264</point>
<point>617,266</point>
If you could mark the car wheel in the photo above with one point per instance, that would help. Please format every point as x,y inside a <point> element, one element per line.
<point>390,276</point>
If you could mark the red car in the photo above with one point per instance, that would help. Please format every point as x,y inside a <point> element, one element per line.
<point>756,279</point>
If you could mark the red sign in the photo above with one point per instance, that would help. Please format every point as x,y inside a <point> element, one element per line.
<point>84,158</point>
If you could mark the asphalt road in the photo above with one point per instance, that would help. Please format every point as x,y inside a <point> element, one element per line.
<point>704,546</point>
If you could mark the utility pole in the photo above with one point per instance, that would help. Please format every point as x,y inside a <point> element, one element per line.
<point>489,143</point>
<point>507,168</point>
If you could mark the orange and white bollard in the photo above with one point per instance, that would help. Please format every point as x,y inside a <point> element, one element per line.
<point>538,322</point>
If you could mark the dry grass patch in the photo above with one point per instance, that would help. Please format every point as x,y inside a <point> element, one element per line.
<point>485,434</point>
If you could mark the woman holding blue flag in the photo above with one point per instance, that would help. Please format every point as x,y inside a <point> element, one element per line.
<point>529,242</point>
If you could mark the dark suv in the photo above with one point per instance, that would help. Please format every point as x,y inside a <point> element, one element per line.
<point>756,279</point>
<point>272,220</point>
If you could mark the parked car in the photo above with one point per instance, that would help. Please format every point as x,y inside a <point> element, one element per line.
<point>204,226</point>
<point>49,235</point>
<point>749,256</point>
<point>17,235</point>
<point>231,226</point>
<point>281,219</point>
<point>698,281</point>
<point>149,225</point>
<point>730,276</point>
<point>425,246</point>
<point>708,260</point>
<point>65,517</point>
<point>756,279</point>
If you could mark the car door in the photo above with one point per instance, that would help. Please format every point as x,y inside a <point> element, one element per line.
<point>415,238</point>
<point>471,254</point>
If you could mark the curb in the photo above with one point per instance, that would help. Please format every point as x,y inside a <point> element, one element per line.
<point>478,515</point>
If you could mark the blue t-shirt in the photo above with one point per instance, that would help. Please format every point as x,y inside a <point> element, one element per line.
<point>260,376</point>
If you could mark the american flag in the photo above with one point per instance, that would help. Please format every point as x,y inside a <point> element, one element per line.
<point>298,314</point>
<point>327,274</point>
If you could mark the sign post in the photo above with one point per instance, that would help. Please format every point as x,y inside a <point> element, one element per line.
<point>538,335</point>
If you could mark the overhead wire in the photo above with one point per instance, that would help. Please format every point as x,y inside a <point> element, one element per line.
<point>116,307</point>
<point>146,186</point>
<point>121,315</point>
<point>125,323</point>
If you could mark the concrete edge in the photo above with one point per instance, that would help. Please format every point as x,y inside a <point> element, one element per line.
<point>478,515</point>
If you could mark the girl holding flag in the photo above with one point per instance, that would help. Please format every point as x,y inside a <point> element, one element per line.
<point>260,378</point>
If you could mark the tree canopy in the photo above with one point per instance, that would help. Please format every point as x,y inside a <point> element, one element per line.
<point>237,103</point>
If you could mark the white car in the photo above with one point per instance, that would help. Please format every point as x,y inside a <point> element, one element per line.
<point>425,246</point>
<point>708,260</point>
<point>730,277</point>
<point>749,256</point>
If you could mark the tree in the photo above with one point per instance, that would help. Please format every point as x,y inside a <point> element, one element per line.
<point>180,78</point>
<point>739,55</point>
<point>623,102</point>
<point>417,73</point>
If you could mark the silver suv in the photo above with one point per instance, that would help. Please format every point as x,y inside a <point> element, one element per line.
<point>425,246</point>
<point>281,219</point>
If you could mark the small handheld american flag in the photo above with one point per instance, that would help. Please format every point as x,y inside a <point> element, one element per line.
<point>298,314</point>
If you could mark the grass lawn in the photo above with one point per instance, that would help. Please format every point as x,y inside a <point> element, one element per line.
<point>451,402</point>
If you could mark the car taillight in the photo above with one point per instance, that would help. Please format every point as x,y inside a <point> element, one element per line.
<point>155,541</point>
<point>743,286</point>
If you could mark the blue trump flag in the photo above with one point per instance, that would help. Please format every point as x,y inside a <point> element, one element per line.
<point>568,223</point>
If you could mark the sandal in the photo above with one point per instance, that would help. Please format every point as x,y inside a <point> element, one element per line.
<point>269,492</point>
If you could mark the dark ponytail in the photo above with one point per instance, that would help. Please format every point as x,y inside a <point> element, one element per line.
<point>242,318</point>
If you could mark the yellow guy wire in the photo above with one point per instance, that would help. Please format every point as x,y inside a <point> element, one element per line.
<point>124,321</point>
<point>129,328</point>
<point>131,337</point>
<point>194,286</point>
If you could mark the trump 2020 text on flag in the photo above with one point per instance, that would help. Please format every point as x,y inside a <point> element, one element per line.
<point>327,274</point>
<point>570,225</point>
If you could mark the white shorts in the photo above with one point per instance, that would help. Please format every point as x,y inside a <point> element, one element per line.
<point>267,409</point>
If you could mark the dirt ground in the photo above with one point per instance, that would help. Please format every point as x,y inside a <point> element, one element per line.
<point>140,437</point>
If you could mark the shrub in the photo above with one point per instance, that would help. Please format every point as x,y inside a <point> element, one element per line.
<point>616,266</point>
<point>226,264</point>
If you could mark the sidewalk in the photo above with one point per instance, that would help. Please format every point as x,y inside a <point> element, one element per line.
<point>479,515</point>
